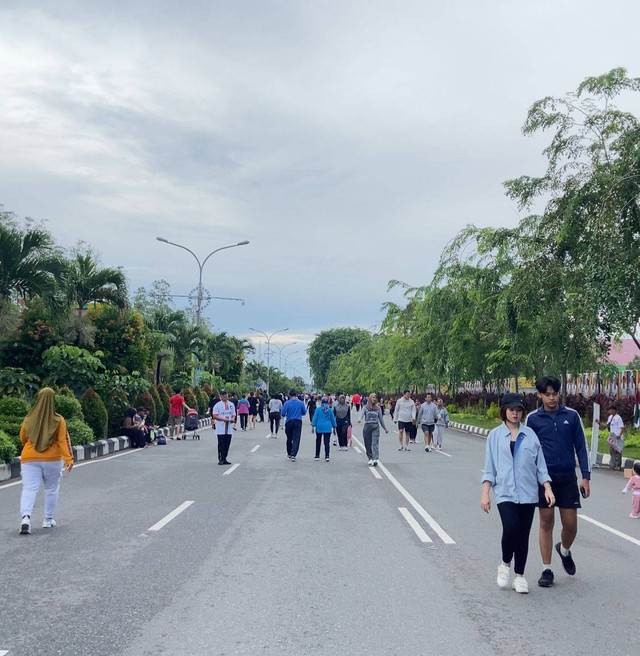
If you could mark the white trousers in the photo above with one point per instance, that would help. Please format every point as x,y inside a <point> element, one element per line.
<point>34,473</point>
<point>438,432</point>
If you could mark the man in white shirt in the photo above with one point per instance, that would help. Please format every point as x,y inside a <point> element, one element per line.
<point>404,415</point>
<point>616,429</point>
<point>224,414</point>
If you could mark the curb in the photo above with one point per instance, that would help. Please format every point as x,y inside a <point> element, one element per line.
<point>601,459</point>
<point>90,451</point>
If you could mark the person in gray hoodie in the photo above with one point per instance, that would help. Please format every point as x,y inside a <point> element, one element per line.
<point>441,423</point>
<point>427,418</point>
<point>372,415</point>
<point>404,414</point>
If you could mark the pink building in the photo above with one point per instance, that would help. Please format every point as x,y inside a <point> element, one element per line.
<point>621,354</point>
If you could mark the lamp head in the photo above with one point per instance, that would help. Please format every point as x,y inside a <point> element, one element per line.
<point>166,241</point>
<point>242,243</point>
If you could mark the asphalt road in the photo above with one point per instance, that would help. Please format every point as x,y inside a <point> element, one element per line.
<point>275,557</point>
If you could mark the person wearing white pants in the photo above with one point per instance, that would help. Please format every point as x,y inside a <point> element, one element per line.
<point>46,449</point>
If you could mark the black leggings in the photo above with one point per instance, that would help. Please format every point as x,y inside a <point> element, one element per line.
<point>516,526</point>
<point>274,422</point>
<point>343,440</point>
<point>319,438</point>
<point>243,421</point>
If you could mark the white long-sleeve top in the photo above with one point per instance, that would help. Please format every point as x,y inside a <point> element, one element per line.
<point>405,410</point>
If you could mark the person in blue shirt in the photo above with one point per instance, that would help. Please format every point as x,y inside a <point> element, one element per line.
<point>562,437</point>
<point>515,468</point>
<point>323,423</point>
<point>293,410</point>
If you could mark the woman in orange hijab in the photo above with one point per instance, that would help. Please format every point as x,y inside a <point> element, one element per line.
<point>45,450</point>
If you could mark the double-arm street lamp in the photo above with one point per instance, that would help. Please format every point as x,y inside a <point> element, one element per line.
<point>268,337</point>
<point>280,349</point>
<point>201,267</point>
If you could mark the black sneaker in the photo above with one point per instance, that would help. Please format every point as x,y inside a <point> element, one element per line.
<point>567,561</point>
<point>546,579</point>
<point>221,462</point>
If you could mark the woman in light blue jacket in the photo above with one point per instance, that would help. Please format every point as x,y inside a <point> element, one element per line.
<point>323,424</point>
<point>514,467</point>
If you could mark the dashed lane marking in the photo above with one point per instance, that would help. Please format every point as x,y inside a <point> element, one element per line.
<point>357,450</point>
<point>411,520</point>
<point>374,471</point>
<point>172,515</point>
<point>442,453</point>
<point>255,448</point>
<point>620,534</point>
<point>231,469</point>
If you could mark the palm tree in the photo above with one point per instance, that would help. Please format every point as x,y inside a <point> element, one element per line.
<point>218,352</point>
<point>187,342</point>
<point>85,283</point>
<point>28,264</point>
<point>163,328</point>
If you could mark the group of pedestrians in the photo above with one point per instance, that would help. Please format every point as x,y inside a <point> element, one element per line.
<point>432,418</point>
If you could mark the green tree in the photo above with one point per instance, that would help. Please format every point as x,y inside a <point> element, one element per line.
<point>329,344</point>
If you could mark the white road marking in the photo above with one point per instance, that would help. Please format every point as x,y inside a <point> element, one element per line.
<point>411,520</point>
<point>231,469</point>
<point>172,515</point>
<point>374,471</point>
<point>269,435</point>
<point>357,449</point>
<point>620,534</point>
<point>442,453</point>
<point>4,652</point>
<point>255,448</point>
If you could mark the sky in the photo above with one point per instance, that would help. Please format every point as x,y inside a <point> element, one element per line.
<point>348,141</point>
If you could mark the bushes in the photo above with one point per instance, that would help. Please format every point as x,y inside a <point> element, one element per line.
<point>165,399</point>
<point>13,407</point>
<point>145,400</point>
<point>190,398</point>
<point>157,404</point>
<point>116,405</point>
<point>69,407</point>
<point>494,411</point>
<point>202,399</point>
<point>79,432</point>
<point>95,413</point>
<point>8,448</point>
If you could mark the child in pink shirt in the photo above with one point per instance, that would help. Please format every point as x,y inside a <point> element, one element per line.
<point>634,484</point>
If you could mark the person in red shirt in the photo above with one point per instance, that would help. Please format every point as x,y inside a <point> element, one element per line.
<point>356,400</point>
<point>175,418</point>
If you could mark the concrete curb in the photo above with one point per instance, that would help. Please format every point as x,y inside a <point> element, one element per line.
<point>90,451</point>
<point>603,459</point>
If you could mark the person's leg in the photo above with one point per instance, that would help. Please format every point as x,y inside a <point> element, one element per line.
<point>635,505</point>
<point>318,440</point>
<point>31,473</point>
<point>525,513</point>
<point>569,519</point>
<point>612,458</point>
<point>400,435</point>
<point>509,519</point>
<point>427,438</point>
<point>366,435</point>
<point>618,461</point>
<point>296,433</point>
<point>220,448</point>
<point>430,437</point>
<point>545,539</point>
<point>327,445</point>
<point>226,444</point>
<point>51,473</point>
<point>375,442</point>
<point>277,424</point>
<point>288,429</point>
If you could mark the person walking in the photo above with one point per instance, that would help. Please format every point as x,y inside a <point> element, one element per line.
<point>323,423</point>
<point>633,486</point>
<point>562,437</point>
<point>46,450</point>
<point>261,404</point>
<point>243,412</point>
<point>616,440</point>
<point>356,399</point>
<point>515,468</point>
<point>442,422</point>
<point>342,412</point>
<point>427,417</point>
<point>224,414</point>
<point>311,406</point>
<point>275,406</point>
<point>373,419</point>
<point>293,411</point>
<point>178,404</point>
<point>253,410</point>
<point>404,414</point>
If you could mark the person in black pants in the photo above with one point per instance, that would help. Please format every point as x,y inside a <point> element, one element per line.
<point>293,411</point>
<point>342,412</point>
<point>224,414</point>
<point>131,429</point>
<point>261,404</point>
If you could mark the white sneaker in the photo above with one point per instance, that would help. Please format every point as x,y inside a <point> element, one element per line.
<point>401,448</point>
<point>504,574</point>
<point>370,463</point>
<point>48,523</point>
<point>375,463</point>
<point>25,525</point>
<point>520,585</point>
<point>318,458</point>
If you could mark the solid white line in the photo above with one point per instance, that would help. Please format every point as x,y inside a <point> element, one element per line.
<point>173,514</point>
<point>231,469</point>
<point>411,520</point>
<point>255,448</point>
<point>620,534</point>
<point>442,453</point>
<point>357,449</point>
<point>4,652</point>
<point>374,471</point>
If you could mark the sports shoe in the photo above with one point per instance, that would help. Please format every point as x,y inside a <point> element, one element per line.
<point>226,462</point>
<point>48,522</point>
<point>335,442</point>
<point>293,458</point>
<point>634,515</point>
<point>221,462</point>
<point>317,458</point>
<point>406,448</point>
<point>370,463</point>
<point>504,574</point>
<point>426,448</point>
<point>567,561</point>
<point>326,459</point>
<point>25,526</point>
<point>520,585</point>
<point>546,579</point>
<point>401,448</point>
<point>375,463</point>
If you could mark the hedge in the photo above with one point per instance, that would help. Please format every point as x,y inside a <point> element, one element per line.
<point>8,448</point>
<point>166,405</point>
<point>95,413</point>
<point>68,406</point>
<point>159,407</point>
<point>13,407</point>
<point>145,400</point>
<point>79,432</point>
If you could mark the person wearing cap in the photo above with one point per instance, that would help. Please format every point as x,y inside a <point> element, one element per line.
<point>293,410</point>
<point>323,423</point>
<point>515,468</point>
<point>46,449</point>
<point>224,414</point>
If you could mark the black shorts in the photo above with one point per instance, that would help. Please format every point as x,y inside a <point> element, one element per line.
<point>565,489</point>
<point>428,428</point>
<point>405,425</point>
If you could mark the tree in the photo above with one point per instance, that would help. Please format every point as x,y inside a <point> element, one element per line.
<point>328,345</point>
<point>72,366</point>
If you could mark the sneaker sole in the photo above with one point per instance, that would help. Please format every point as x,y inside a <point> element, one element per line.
<point>25,529</point>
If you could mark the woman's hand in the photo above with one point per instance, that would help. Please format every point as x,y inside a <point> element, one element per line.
<point>485,501</point>
<point>549,496</point>
<point>313,430</point>
<point>68,467</point>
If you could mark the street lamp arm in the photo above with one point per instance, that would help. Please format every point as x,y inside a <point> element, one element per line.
<point>222,248</point>
<point>173,243</point>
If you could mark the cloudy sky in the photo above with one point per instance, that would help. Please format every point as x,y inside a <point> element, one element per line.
<point>348,140</point>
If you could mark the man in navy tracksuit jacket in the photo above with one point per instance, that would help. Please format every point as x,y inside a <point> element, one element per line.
<point>562,437</point>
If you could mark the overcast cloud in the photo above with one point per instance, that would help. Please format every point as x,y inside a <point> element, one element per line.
<point>349,140</point>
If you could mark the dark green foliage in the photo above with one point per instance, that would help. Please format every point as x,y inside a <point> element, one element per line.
<point>159,406</point>
<point>145,400</point>
<point>166,405</point>
<point>69,407</point>
<point>329,344</point>
<point>12,406</point>
<point>75,367</point>
<point>8,448</point>
<point>116,403</point>
<point>202,399</point>
<point>79,432</point>
<point>95,413</point>
<point>190,398</point>
<point>11,426</point>
<point>15,380</point>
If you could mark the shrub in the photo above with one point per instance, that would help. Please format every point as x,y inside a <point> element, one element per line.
<point>69,407</point>
<point>79,432</point>
<point>202,400</point>
<point>95,413</point>
<point>452,408</point>
<point>494,411</point>
<point>632,440</point>
<point>116,405</point>
<point>15,380</point>
<point>11,426</point>
<point>166,405</point>
<point>8,448</point>
<point>190,398</point>
<point>157,404</point>
<point>13,407</point>
<point>145,400</point>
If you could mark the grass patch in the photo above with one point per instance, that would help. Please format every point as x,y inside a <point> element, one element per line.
<point>603,445</point>
<point>474,420</point>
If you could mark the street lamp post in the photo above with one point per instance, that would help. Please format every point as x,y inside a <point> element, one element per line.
<point>201,267</point>
<point>286,361</point>
<point>268,337</point>
<point>280,349</point>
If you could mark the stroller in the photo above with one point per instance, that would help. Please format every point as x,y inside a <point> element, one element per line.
<point>191,423</point>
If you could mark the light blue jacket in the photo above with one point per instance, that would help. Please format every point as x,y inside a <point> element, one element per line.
<point>323,422</point>
<point>514,478</point>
